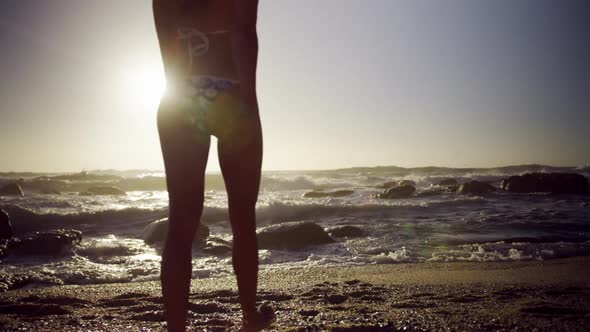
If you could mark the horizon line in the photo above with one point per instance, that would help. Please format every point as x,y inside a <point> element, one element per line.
<point>301,169</point>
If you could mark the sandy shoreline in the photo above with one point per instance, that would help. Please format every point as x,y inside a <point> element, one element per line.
<point>543,295</point>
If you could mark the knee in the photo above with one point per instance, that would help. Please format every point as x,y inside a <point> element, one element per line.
<point>186,204</point>
<point>246,238</point>
<point>184,218</point>
<point>243,200</point>
<point>244,232</point>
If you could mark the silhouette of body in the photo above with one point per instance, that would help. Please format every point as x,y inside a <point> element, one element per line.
<point>209,49</point>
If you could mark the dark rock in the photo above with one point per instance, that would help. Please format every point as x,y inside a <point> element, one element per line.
<point>391,184</point>
<point>453,189</point>
<point>217,246</point>
<point>45,185</point>
<point>292,236</point>
<point>431,192</point>
<point>344,231</point>
<point>157,231</point>
<point>85,193</point>
<point>558,183</point>
<point>46,243</point>
<point>397,192</point>
<point>407,183</point>
<point>3,249</point>
<point>447,183</point>
<point>85,176</point>
<point>476,187</point>
<point>337,193</point>
<point>106,190</point>
<point>5,226</point>
<point>11,281</point>
<point>11,189</point>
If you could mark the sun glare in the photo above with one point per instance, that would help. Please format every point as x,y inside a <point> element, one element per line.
<point>145,85</point>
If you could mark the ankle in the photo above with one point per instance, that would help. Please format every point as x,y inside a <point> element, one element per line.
<point>249,311</point>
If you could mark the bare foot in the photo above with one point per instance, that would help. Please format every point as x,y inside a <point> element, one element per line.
<point>259,319</point>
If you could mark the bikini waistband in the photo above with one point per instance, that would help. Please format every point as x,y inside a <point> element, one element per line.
<point>195,78</point>
<point>200,79</point>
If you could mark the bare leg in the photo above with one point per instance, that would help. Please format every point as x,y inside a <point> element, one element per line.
<point>185,158</point>
<point>240,158</point>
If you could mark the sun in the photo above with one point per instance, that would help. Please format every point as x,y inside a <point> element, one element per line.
<point>144,85</point>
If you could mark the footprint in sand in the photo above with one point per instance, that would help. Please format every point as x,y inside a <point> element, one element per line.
<point>118,303</point>
<point>552,310</point>
<point>207,308</point>
<point>151,316</point>
<point>34,310</point>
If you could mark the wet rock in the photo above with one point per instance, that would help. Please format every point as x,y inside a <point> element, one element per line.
<point>11,189</point>
<point>407,183</point>
<point>559,183</point>
<point>5,226</point>
<point>46,243</point>
<point>344,231</point>
<point>397,192</point>
<point>388,184</point>
<point>3,249</point>
<point>45,185</point>
<point>217,246</point>
<point>292,236</point>
<point>337,193</point>
<point>432,192</point>
<point>447,182</point>
<point>453,189</point>
<point>11,281</point>
<point>391,184</point>
<point>476,187</point>
<point>157,231</point>
<point>106,190</point>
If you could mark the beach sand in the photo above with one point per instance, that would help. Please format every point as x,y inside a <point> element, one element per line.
<point>507,296</point>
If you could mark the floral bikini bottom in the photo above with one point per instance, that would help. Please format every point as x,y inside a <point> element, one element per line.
<point>198,95</point>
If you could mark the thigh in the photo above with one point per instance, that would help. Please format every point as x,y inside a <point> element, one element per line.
<point>240,159</point>
<point>185,152</point>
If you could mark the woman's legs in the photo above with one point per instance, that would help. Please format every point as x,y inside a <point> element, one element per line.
<point>240,158</point>
<point>185,158</point>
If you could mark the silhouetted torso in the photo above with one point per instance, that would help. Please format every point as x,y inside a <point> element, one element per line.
<point>214,19</point>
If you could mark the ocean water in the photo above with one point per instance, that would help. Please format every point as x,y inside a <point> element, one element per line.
<point>447,227</point>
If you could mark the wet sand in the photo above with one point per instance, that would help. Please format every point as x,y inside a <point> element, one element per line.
<point>546,296</point>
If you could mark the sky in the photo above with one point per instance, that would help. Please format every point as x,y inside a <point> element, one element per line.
<point>342,83</point>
